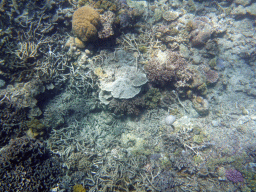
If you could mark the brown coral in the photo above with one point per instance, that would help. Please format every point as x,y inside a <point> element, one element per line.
<point>85,23</point>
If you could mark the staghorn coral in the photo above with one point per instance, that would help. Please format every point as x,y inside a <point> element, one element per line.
<point>26,165</point>
<point>164,181</point>
<point>13,121</point>
<point>106,20</point>
<point>168,67</point>
<point>85,23</point>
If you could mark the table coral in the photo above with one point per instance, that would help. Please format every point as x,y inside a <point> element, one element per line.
<point>85,23</point>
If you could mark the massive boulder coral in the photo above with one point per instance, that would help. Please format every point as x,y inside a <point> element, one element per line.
<point>85,23</point>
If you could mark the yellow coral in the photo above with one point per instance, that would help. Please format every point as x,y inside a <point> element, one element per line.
<point>78,188</point>
<point>35,128</point>
<point>100,73</point>
<point>85,23</point>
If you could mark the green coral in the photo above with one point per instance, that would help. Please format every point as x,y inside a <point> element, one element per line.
<point>152,98</point>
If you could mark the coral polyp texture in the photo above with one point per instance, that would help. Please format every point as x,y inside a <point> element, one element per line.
<point>107,20</point>
<point>85,23</point>
<point>26,165</point>
<point>168,67</point>
<point>234,175</point>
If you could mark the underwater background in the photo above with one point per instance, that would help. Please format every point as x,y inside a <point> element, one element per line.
<point>126,95</point>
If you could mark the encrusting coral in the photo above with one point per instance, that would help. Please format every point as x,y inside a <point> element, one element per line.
<point>85,23</point>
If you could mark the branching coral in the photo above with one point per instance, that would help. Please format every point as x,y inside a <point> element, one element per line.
<point>25,163</point>
<point>167,67</point>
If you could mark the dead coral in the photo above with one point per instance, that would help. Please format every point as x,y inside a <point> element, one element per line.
<point>85,23</point>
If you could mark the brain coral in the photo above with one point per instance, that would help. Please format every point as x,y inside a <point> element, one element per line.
<point>85,23</point>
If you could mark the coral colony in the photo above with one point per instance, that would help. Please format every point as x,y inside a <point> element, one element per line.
<point>127,95</point>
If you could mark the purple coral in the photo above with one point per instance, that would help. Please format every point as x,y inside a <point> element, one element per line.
<point>107,20</point>
<point>234,176</point>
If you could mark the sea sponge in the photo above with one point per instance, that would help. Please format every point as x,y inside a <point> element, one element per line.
<point>85,23</point>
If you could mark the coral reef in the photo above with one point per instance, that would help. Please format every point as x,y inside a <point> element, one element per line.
<point>127,85</point>
<point>164,181</point>
<point>106,20</point>
<point>202,31</point>
<point>106,5</point>
<point>170,15</point>
<point>212,76</point>
<point>127,106</point>
<point>36,128</point>
<point>201,105</point>
<point>152,98</point>
<point>26,165</point>
<point>13,121</point>
<point>78,188</point>
<point>168,67</point>
<point>234,175</point>
<point>85,23</point>
<point>28,43</point>
<point>22,95</point>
